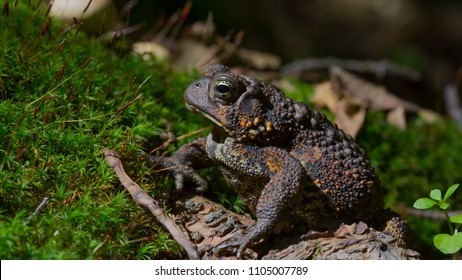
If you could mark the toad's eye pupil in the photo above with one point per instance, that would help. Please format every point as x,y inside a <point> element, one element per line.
<point>223,88</point>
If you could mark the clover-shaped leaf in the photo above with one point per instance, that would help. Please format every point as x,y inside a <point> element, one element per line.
<point>456,219</point>
<point>435,194</point>
<point>444,205</point>
<point>448,244</point>
<point>450,191</point>
<point>424,203</point>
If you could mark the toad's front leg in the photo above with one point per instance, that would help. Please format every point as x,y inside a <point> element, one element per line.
<point>277,198</point>
<point>183,164</point>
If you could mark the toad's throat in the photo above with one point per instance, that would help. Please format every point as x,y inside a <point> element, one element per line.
<point>208,116</point>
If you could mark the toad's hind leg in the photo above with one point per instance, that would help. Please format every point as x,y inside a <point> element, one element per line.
<point>277,199</point>
<point>392,224</point>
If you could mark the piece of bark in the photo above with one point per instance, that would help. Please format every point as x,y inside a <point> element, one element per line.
<point>209,224</point>
<point>350,242</point>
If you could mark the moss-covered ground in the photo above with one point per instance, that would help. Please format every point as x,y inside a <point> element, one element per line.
<point>64,97</point>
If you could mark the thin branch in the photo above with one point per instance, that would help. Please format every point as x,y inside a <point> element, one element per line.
<point>379,68</point>
<point>432,214</point>
<point>38,209</point>
<point>142,198</point>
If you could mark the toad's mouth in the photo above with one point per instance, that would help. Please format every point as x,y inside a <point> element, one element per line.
<point>208,116</point>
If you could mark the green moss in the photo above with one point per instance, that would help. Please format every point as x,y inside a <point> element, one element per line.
<point>412,162</point>
<point>61,92</point>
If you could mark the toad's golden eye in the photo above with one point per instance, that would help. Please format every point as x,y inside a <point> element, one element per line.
<point>225,89</point>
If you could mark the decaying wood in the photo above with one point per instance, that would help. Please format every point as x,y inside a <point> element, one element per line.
<point>143,199</point>
<point>349,242</point>
<point>209,224</point>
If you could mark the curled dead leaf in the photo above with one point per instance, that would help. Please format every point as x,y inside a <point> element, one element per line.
<point>350,112</point>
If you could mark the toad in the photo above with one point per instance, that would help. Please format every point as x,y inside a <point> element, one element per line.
<point>289,163</point>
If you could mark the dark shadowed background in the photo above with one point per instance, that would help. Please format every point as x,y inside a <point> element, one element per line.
<point>425,35</point>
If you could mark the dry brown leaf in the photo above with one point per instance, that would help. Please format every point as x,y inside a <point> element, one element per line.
<point>349,112</point>
<point>350,115</point>
<point>348,96</point>
<point>397,117</point>
<point>324,96</point>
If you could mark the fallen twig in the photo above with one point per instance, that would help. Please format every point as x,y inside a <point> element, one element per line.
<point>377,97</point>
<point>38,209</point>
<point>142,198</point>
<point>379,69</point>
<point>435,215</point>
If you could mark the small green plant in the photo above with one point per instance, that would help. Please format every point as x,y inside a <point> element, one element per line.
<point>446,243</point>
